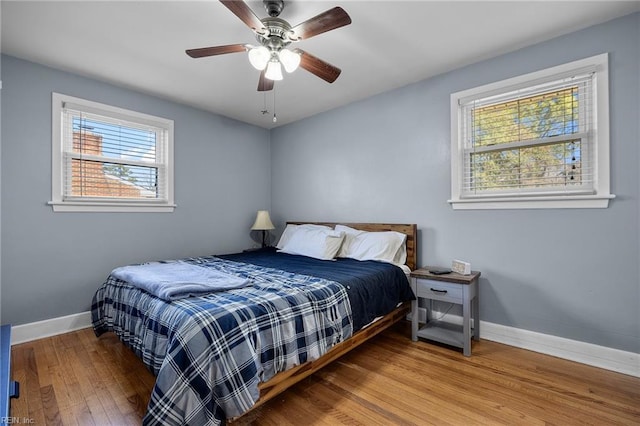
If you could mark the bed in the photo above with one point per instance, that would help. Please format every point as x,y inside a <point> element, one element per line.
<point>218,355</point>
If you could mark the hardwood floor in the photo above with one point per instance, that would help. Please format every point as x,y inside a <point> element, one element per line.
<point>78,379</point>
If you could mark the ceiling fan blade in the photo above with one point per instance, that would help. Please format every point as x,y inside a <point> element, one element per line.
<point>216,50</point>
<point>246,15</point>
<point>326,21</point>
<point>264,84</point>
<point>317,66</point>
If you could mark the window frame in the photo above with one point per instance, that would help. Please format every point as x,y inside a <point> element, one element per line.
<point>600,196</point>
<point>93,204</point>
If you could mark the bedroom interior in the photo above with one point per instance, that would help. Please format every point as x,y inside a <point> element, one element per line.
<point>559,290</point>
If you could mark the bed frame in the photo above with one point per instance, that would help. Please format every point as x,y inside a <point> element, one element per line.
<point>283,380</point>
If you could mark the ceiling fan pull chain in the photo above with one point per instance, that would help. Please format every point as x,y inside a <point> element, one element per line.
<point>275,119</point>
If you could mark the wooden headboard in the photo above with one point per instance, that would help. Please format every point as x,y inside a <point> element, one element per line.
<point>410,230</point>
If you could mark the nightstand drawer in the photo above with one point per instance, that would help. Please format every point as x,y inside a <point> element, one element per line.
<point>438,290</point>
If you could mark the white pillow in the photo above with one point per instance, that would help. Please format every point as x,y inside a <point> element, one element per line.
<point>291,229</point>
<point>314,242</point>
<point>401,255</point>
<point>386,246</point>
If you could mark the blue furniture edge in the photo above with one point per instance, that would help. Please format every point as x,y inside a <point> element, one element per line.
<point>8,388</point>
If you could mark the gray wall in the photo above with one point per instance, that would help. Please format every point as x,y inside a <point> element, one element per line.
<point>52,263</point>
<point>569,273</point>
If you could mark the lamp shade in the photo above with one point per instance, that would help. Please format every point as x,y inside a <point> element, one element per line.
<point>263,221</point>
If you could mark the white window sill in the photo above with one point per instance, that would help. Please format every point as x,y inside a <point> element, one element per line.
<point>111,207</point>
<point>547,202</point>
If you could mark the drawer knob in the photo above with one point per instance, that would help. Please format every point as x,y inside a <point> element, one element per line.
<point>439,291</point>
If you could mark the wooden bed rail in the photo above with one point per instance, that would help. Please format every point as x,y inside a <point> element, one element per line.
<point>284,380</point>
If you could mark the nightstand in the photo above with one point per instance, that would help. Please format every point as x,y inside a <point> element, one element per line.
<point>452,288</point>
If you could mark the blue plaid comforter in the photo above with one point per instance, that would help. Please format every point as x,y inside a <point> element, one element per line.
<point>209,353</point>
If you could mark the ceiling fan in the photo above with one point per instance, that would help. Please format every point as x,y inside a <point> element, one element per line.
<point>275,35</point>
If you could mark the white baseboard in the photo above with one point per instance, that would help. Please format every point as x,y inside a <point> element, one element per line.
<point>573,350</point>
<point>51,327</point>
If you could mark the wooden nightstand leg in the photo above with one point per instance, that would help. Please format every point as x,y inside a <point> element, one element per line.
<point>414,312</point>
<point>414,320</point>
<point>476,318</point>
<point>466,323</point>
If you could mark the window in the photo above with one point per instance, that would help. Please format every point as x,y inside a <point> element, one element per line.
<point>536,141</point>
<point>109,159</point>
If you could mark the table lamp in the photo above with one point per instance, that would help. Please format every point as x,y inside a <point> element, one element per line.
<point>263,223</point>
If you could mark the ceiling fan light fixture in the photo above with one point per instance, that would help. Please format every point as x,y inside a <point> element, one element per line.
<point>259,57</point>
<point>289,60</point>
<point>274,70</point>
<point>273,35</point>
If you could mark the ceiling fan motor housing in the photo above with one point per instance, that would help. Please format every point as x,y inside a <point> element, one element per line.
<point>277,36</point>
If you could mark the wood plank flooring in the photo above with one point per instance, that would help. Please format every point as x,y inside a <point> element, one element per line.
<point>78,379</point>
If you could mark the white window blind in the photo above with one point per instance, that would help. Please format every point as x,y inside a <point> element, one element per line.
<point>535,141</point>
<point>111,157</point>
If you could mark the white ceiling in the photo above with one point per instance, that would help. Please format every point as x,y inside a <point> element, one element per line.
<point>140,45</point>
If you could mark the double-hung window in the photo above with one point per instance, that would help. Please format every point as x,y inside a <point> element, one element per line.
<point>534,141</point>
<point>110,159</point>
